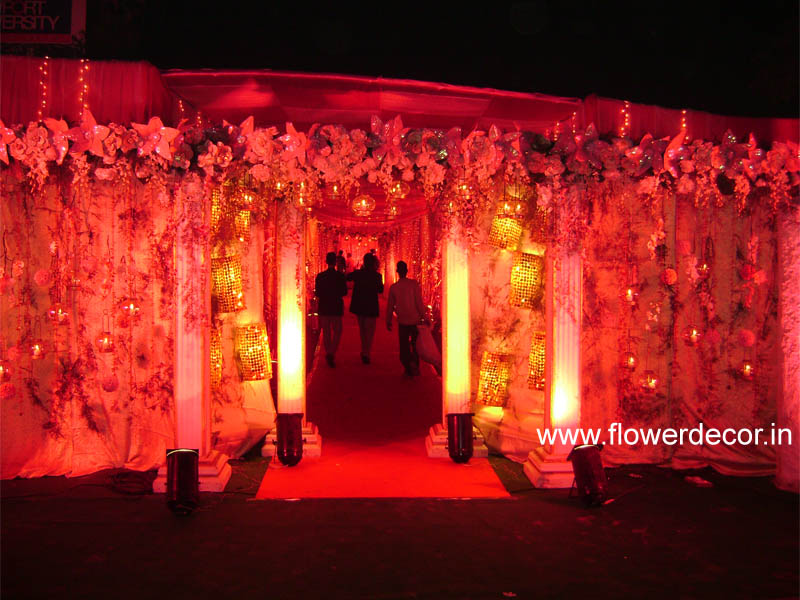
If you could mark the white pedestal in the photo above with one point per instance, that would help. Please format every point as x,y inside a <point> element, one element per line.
<point>436,443</point>
<point>545,470</point>
<point>312,442</point>
<point>214,472</point>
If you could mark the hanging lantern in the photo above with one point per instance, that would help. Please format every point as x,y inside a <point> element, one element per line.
<point>505,233</point>
<point>252,352</point>
<point>392,210</point>
<point>517,193</point>
<point>363,205</point>
<point>5,371</point>
<point>304,195</point>
<point>649,381</point>
<point>703,271</point>
<point>105,342</point>
<point>628,361</point>
<point>691,336</point>
<point>630,295</point>
<point>536,361</point>
<point>747,370</point>
<point>58,314</point>
<point>226,279</point>
<point>216,358</point>
<point>399,189</point>
<point>527,280</point>
<point>37,349</point>
<point>130,307</point>
<point>334,189</point>
<point>495,374</point>
<point>241,225</point>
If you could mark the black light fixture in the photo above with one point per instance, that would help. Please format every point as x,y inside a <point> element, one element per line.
<point>459,436</point>
<point>290,438</point>
<point>183,480</point>
<point>590,477</point>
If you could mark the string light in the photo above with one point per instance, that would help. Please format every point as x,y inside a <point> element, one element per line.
<point>684,125</point>
<point>181,108</point>
<point>83,84</point>
<point>43,74</point>
<point>625,127</point>
<point>574,123</point>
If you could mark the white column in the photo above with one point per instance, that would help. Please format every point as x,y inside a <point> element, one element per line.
<point>192,383</point>
<point>456,344</point>
<point>291,312</point>
<point>788,408</point>
<point>547,466</point>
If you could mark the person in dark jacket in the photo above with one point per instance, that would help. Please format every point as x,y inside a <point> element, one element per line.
<point>330,287</point>
<point>367,284</point>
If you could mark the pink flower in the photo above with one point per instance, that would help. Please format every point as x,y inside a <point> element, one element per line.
<point>88,136</point>
<point>155,138</point>
<point>669,276</point>
<point>43,277</point>
<point>746,338</point>
<point>6,137</point>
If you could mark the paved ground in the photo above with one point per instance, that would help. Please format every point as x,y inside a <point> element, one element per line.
<point>101,537</point>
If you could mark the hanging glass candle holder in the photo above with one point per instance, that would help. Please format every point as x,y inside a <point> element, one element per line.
<point>495,374</point>
<point>334,190</point>
<point>304,195</point>
<point>527,280</point>
<point>628,361</point>
<point>747,370</point>
<point>58,314</point>
<point>37,349</point>
<point>691,335</point>
<point>536,361</point>
<point>398,189</point>
<point>363,205</point>
<point>130,307</point>
<point>105,341</point>
<point>630,295</point>
<point>252,352</point>
<point>649,381</point>
<point>5,371</point>
<point>392,210</point>
<point>278,188</point>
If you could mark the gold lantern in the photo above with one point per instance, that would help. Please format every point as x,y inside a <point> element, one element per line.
<point>527,280</point>
<point>628,361</point>
<point>536,378</point>
<point>747,370</point>
<point>495,374</point>
<point>363,205</point>
<point>216,207</point>
<point>241,225</point>
<point>252,352</point>
<point>399,189</point>
<point>58,314</point>
<point>216,358</point>
<point>226,277</point>
<point>37,349</point>
<point>506,233</point>
<point>649,381</point>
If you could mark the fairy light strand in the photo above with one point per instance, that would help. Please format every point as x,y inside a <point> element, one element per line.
<point>83,85</point>
<point>625,126</point>
<point>684,125</point>
<point>44,71</point>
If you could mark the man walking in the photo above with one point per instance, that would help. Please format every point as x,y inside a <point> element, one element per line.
<point>330,286</point>
<point>405,300</point>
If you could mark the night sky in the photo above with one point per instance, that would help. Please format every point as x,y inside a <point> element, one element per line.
<point>722,56</point>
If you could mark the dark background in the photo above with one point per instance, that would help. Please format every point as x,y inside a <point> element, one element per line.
<point>736,57</point>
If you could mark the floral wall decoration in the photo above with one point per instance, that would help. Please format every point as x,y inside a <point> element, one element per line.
<point>676,235</point>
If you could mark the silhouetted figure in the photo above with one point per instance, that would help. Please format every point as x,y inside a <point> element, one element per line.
<point>367,284</point>
<point>405,300</point>
<point>330,286</point>
<point>341,264</point>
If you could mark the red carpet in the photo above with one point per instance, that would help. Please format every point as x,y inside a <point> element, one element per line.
<point>373,424</point>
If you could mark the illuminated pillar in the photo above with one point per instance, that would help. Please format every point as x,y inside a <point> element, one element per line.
<point>454,437</point>
<point>192,381</point>
<point>291,433</point>
<point>547,465</point>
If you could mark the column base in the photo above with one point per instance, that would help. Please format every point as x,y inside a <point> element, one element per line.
<point>436,443</point>
<point>214,472</point>
<point>546,470</point>
<point>312,442</point>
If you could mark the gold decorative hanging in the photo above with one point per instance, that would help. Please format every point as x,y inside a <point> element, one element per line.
<point>241,225</point>
<point>305,195</point>
<point>226,278</point>
<point>527,280</point>
<point>495,374</point>
<point>216,358</point>
<point>506,233</point>
<point>252,352</point>
<point>216,208</point>
<point>363,205</point>
<point>538,225</point>
<point>536,359</point>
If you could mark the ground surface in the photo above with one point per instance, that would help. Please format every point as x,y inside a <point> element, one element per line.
<point>106,536</point>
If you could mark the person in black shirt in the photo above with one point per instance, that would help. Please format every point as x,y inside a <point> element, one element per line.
<point>341,263</point>
<point>330,287</point>
<point>367,284</point>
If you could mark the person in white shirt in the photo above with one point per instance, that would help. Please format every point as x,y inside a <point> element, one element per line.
<point>405,300</point>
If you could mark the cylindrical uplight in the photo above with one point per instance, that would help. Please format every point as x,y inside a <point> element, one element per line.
<point>183,480</point>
